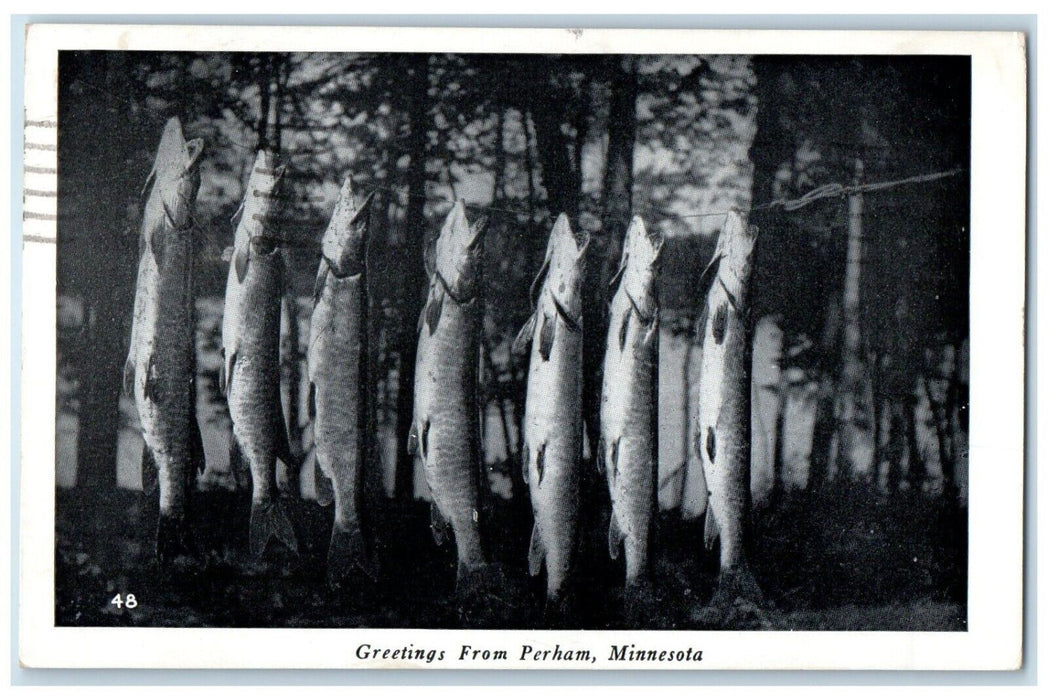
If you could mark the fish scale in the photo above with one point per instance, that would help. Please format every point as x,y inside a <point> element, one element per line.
<point>251,359</point>
<point>723,426</point>
<point>553,408</point>
<point>160,372</point>
<point>338,355</point>
<point>445,431</point>
<point>629,402</point>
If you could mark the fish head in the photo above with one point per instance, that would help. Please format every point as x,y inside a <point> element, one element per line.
<point>176,174</point>
<point>641,259</point>
<point>566,262</point>
<point>735,247</point>
<point>260,200</point>
<point>456,258</point>
<point>344,245</point>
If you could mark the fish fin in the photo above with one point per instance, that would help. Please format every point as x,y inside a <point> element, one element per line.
<point>421,318</point>
<point>708,275</point>
<point>674,474</point>
<point>540,462</point>
<point>434,308</point>
<point>150,473</point>
<point>235,219</point>
<point>615,536</point>
<point>599,461</point>
<point>613,283</point>
<point>238,465</point>
<point>547,335</point>
<point>322,273</point>
<point>311,401</point>
<point>240,261</point>
<point>270,521</point>
<point>289,467</point>
<point>525,459</point>
<point>652,334</point>
<point>413,442</point>
<point>152,384</point>
<point>523,339</point>
<point>174,540</point>
<point>225,377</point>
<point>348,555</point>
<point>613,462</point>
<point>439,525</point>
<point>710,531</point>
<point>129,377</point>
<point>227,253</point>
<point>536,284</point>
<point>196,446</point>
<point>624,329</point>
<point>536,552</point>
<point>148,184</point>
<point>325,491</point>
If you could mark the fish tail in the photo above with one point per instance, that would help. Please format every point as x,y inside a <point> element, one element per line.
<point>325,490</point>
<point>348,556</point>
<point>270,520</point>
<point>710,530</point>
<point>288,470</point>
<point>737,590</point>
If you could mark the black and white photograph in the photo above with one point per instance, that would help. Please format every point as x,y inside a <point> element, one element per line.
<point>455,340</point>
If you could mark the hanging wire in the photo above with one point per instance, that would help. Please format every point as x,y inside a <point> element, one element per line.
<point>827,191</point>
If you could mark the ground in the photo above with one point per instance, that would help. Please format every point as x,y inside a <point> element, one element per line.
<point>850,558</point>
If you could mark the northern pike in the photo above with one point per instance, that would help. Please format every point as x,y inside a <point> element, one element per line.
<point>160,372</point>
<point>445,430</point>
<point>723,426</point>
<point>552,452</point>
<point>250,374</point>
<point>338,375</point>
<point>628,450</point>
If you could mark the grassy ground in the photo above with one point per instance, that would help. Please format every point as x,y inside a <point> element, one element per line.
<point>848,559</point>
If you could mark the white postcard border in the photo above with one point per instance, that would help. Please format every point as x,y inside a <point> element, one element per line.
<point>998,179</point>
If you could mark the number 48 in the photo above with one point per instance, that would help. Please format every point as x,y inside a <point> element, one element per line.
<point>127,601</point>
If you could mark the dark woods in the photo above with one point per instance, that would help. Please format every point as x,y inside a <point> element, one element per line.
<point>860,303</point>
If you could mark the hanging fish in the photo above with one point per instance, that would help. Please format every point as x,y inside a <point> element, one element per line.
<point>723,426</point>
<point>160,372</point>
<point>552,452</point>
<point>339,383</point>
<point>629,402</point>
<point>445,430</point>
<point>250,376</point>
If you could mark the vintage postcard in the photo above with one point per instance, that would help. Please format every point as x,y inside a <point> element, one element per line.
<point>522,349</point>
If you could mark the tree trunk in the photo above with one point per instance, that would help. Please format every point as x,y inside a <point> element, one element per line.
<point>559,176</point>
<point>896,445</point>
<point>771,147</point>
<point>851,388</point>
<point>412,271</point>
<point>876,410</point>
<point>605,249</point>
<point>824,426</point>
<point>97,241</point>
<point>778,469</point>
<point>916,469</point>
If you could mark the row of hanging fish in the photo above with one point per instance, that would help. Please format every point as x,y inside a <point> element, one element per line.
<point>445,429</point>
